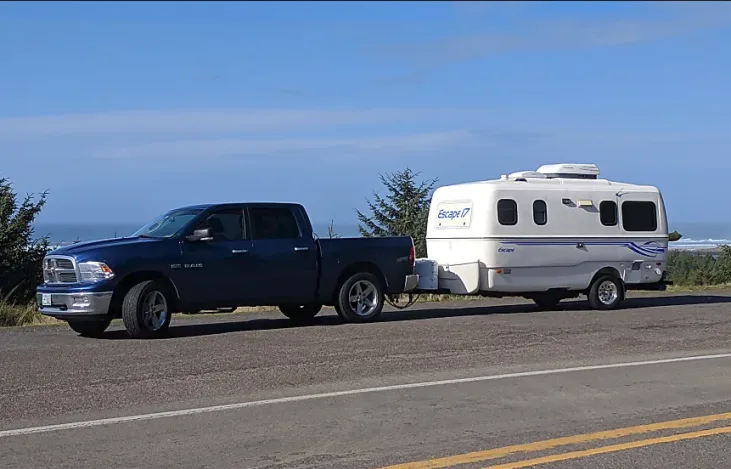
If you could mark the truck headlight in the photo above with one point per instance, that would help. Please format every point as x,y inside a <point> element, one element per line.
<point>94,272</point>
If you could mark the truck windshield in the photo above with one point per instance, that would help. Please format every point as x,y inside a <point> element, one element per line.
<point>166,225</point>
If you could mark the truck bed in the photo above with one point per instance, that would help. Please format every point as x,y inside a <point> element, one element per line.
<point>391,256</point>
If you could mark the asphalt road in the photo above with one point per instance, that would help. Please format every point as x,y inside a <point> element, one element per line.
<point>256,392</point>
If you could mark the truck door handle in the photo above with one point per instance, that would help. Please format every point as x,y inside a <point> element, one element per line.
<point>239,251</point>
<point>298,249</point>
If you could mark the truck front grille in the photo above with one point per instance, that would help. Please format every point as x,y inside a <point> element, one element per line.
<point>59,270</point>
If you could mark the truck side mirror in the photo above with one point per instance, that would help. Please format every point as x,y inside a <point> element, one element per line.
<point>203,234</point>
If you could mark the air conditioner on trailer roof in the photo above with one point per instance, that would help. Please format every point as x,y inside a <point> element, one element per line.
<point>570,171</point>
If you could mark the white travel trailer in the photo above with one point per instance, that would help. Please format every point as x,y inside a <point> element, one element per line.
<point>546,235</point>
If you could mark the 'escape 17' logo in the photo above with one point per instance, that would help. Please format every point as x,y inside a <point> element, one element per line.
<point>452,214</point>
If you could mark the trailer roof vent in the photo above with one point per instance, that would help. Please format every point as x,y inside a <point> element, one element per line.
<point>523,175</point>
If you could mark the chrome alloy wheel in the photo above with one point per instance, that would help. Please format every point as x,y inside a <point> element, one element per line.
<point>363,297</point>
<point>155,310</point>
<point>607,292</point>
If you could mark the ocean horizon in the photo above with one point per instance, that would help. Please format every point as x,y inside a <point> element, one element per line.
<point>67,233</point>
<point>696,236</point>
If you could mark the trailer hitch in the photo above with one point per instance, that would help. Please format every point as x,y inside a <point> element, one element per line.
<point>393,299</point>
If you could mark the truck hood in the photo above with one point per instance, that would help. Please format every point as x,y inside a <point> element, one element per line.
<point>102,245</point>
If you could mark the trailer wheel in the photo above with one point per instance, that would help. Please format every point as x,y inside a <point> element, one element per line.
<point>607,292</point>
<point>360,298</point>
<point>145,310</point>
<point>90,328</point>
<point>546,301</point>
<point>300,312</point>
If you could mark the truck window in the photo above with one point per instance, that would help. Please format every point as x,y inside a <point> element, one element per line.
<point>639,216</point>
<point>507,212</point>
<point>168,224</point>
<point>225,225</point>
<point>608,213</point>
<point>273,223</point>
<point>540,212</point>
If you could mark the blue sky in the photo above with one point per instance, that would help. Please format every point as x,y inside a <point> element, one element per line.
<point>123,110</point>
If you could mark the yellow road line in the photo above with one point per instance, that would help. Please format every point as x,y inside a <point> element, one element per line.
<point>612,448</point>
<point>478,456</point>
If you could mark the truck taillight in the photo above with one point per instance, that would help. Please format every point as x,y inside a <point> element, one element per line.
<point>412,256</point>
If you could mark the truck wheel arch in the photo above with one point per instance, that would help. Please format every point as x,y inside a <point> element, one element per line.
<point>133,279</point>
<point>355,268</point>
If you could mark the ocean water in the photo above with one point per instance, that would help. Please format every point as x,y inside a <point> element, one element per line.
<point>701,235</point>
<point>62,233</point>
<point>695,236</point>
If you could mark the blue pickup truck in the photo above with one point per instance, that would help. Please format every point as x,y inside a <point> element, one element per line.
<point>222,256</point>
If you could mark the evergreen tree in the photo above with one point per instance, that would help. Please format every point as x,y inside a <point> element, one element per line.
<point>21,256</point>
<point>402,212</point>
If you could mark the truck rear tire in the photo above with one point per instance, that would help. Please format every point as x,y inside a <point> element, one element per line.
<point>360,298</point>
<point>606,293</point>
<point>300,312</point>
<point>145,310</point>
<point>90,328</point>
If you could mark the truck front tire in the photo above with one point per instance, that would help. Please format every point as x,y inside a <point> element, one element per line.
<point>146,311</point>
<point>90,328</point>
<point>360,298</point>
<point>300,312</point>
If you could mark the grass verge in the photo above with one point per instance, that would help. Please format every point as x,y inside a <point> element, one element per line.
<point>28,315</point>
<point>22,315</point>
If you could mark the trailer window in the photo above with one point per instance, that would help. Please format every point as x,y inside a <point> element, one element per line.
<point>507,212</point>
<point>639,216</point>
<point>540,212</point>
<point>608,213</point>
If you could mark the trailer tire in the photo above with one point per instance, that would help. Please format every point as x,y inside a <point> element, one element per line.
<point>90,328</point>
<point>360,298</point>
<point>546,301</point>
<point>606,292</point>
<point>147,295</point>
<point>300,313</point>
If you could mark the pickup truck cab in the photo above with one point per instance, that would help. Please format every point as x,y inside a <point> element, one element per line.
<point>222,256</point>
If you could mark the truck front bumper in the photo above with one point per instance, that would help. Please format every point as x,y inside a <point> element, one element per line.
<point>411,282</point>
<point>74,304</point>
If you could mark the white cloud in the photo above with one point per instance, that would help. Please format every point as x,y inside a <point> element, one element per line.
<point>561,34</point>
<point>211,121</point>
<point>420,142</point>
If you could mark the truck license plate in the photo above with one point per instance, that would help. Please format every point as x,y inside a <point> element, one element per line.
<point>46,299</point>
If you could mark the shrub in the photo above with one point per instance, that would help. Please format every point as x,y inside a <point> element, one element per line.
<point>686,268</point>
<point>21,256</point>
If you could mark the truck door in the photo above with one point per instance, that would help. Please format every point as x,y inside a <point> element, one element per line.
<point>285,253</point>
<point>217,272</point>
